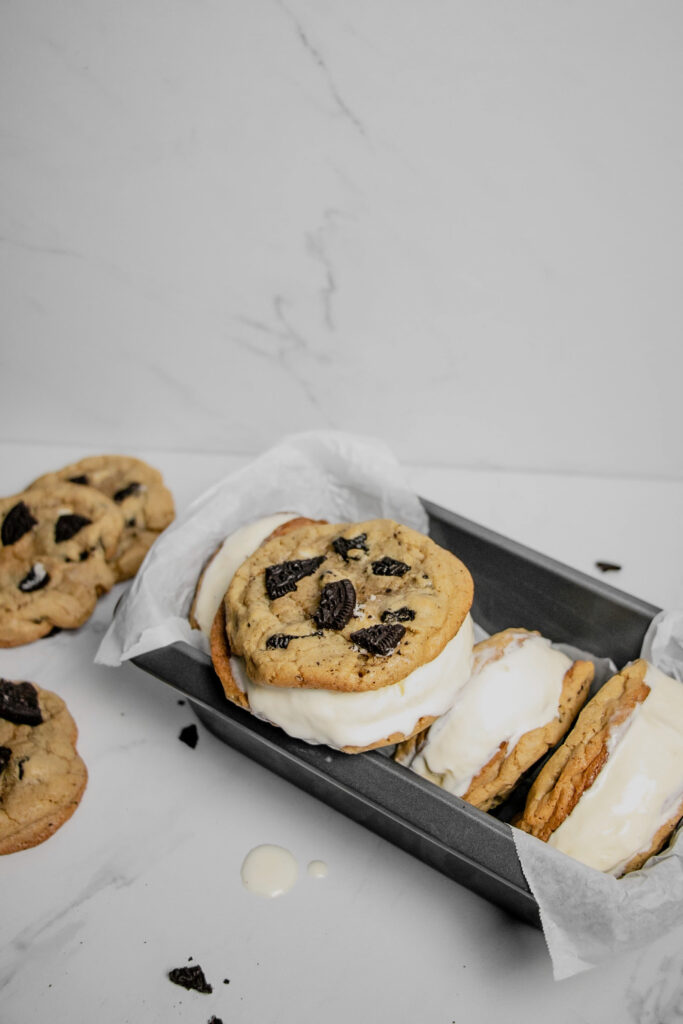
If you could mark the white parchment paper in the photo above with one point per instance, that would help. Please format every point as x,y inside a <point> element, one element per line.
<point>324,475</point>
<point>587,916</point>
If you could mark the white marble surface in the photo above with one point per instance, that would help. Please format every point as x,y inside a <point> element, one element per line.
<point>453,225</point>
<point>147,872</point>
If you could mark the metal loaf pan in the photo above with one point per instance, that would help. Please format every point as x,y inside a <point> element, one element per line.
<point>514,586</point>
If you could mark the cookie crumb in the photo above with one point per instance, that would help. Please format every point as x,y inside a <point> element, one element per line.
<point>189,735</point>
<point>608,566</point>
<point>191,978</point>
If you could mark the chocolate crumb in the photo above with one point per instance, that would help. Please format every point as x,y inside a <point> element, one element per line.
<point>190,736</point>
<point>607,566</point>
<point>215,1020</point>
<point>191,978</point>
<point>82,479</point>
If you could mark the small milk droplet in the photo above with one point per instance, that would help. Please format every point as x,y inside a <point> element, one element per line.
<point>269,870</point>
<point>317,869</point>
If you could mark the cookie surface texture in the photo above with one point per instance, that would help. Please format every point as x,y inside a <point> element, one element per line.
<point>138,491</point>
<point>290,614</point>
<point>37,596</point>
<point>42,777</point>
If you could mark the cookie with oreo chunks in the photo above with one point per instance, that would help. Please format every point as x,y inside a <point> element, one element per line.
<point>397,568</point>
<point>42,776</point>
<point>55,546</point>
<point>139,492</point>
<point>220,567</point>
<point>42,594</point>
<point>304,622</point>
<point>64,521</point>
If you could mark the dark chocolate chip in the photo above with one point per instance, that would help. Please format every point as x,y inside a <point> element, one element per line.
<point>68,525</point>
<point>280,641</point>
<point>16,523</point>
<point>35,579</point>
<point>190,978</point>
<point>19,703</point>
<point>342,545</point>
<point>389,567</point>
<point>378,639</point>
<point>282,578</point>
<point>337,601</point>
<point>189,735</point>
<point>126,492</point>
<point>399,615</point>
<point>607,566</point>
<point>5,754</point>
<point>82,479</point>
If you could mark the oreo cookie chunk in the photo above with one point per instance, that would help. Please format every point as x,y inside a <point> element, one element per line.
<point>42,777</point>
<point>340,627</point>
<point>139,493</point>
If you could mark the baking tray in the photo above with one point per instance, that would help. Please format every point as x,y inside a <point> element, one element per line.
<point>513,586</point>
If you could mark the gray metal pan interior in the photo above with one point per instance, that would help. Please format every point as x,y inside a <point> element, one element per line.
<point>514,586</point>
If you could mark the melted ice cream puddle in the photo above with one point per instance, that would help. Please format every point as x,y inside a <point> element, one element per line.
<point>317,869</point>
<point>269,870</point>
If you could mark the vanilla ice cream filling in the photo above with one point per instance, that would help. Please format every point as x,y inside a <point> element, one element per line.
<point>504,698</point>
<point>639,788</point>
<point>225,563</point>
<point>358,719</point>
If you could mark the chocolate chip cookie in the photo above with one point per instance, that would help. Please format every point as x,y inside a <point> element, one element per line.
<point>42,777</point>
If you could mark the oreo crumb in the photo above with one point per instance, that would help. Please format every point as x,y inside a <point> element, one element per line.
<point>35,579</point>
<point>82,479</point>
<point>215,1020</point>
<point>126,492</point>
<point>20,766</point>
<point>19,703</point>
<point>5,754</point>
<point>181,702</point>
<point>67,526</point>
<point>607,566</point>
<point>281,640</point>
<point>342,545</point>
<point>399,615</point>
<point>226,981</point>
<point>191,978</point>
<point>389,567</point>
<point>337,604</point>
<point>16,523</point>
<point>190,736</point>
<point>378,639</point>
<point>282,578</point>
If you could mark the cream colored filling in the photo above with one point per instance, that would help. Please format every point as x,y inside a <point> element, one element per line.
<point>360,719</point>
<point>227,560</point>
<point>639,788</point>
<point>504,699</point>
